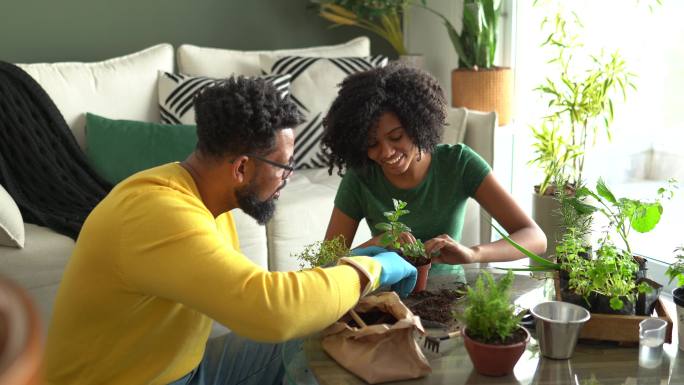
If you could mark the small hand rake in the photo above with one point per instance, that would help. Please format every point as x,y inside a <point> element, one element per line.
<point>432,342</point>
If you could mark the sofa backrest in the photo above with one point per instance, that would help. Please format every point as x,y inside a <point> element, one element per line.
<point>121,88</point>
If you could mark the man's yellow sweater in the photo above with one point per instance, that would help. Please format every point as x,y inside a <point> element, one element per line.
<point>152,267</point>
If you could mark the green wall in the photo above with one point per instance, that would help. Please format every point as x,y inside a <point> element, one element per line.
<point>89,30</point>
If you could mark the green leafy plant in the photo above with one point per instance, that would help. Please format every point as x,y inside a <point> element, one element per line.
<point>322,253</point>
<point>676,270</point>
<point>611,271</point>
<point>489,314</point>
<point>393,229</point>
<point>580,101</point>
<point>623,214</point>
<point>382,17</point>
<point>476,43</point>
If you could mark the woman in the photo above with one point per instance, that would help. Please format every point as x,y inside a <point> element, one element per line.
<point>383,133</point>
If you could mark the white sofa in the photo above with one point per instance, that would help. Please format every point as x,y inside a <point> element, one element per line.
<point>125,88</point>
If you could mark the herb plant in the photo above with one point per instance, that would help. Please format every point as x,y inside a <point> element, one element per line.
<point>490,315</point>
<point>623,214</point>
<point>676,270</point>
<point>393,229</point>
<point>323,253</point>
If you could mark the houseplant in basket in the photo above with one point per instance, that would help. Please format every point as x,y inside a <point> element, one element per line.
<point>322,253</point>
<point>492,334</point>
<point>477,83</point>
<point>414,253</point>
<point>579,98</point>
<point>676,271</point>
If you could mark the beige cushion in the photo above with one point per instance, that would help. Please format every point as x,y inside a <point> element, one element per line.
<point>302,215</point>
<point>120,88</point>
<point>11,222</point>
<point>39,266</point>
<point>217,62</point>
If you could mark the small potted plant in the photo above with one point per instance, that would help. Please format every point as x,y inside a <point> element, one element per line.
<point>492,334</point>
<point>414,253</point>
<point>676,271</point>
<point>322,253</point>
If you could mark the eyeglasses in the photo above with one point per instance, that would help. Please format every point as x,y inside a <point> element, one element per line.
<point>289,168</point>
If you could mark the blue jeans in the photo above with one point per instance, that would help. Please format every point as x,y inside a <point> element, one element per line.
<point>231,359</point>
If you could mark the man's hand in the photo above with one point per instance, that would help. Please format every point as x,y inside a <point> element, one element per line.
<point>446,250</point>
<point>396,271</point>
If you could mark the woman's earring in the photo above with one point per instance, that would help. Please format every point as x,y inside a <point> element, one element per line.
<point>420,154</point>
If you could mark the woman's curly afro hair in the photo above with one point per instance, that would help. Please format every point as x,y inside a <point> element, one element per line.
<point>412,94</point>
<point>241,115</point>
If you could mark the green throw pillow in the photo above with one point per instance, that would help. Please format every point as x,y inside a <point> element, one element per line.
<point>118,149</point>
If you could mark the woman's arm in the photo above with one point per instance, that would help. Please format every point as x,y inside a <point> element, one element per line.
<point>502,207</point>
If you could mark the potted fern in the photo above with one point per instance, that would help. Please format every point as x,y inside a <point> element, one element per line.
<point>414,253</point>
<point>492,334</point>
<point>477,83</point>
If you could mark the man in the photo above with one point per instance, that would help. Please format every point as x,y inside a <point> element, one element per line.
<point>159,258</point>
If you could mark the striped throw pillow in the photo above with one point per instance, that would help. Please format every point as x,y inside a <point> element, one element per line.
<point>313,87</point>
<point>177,94</point>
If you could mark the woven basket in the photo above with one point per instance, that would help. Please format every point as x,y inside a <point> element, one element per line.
<point>484,90</point>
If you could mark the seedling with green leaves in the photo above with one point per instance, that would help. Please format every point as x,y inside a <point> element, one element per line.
<point>393,229</point>
<point>676,270</point>
<point>322,253</point>
<point>489,314</point>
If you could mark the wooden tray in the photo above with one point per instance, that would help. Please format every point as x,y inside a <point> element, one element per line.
<point>620,328</point>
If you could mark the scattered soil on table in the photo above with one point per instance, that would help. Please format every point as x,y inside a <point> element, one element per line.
<point>435,305</point>
<point>374,317</point>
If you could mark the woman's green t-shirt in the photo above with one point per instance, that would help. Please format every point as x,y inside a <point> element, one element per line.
<point>437,205</point>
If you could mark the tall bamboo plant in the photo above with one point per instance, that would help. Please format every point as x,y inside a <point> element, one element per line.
<point>580,103</point>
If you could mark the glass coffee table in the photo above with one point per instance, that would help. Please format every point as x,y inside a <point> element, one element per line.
<point>592,363</point>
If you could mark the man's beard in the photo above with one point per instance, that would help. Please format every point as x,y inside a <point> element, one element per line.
<point>261,211</point>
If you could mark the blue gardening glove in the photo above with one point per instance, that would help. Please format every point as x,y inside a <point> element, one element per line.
<point>396,271</point>
<point>370,251</point>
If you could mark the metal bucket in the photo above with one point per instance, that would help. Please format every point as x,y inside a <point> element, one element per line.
<point>558,325</point>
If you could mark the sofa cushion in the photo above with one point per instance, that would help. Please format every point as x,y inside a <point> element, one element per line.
<point>177,94</point>
<point>38,267</point>
<point>301,217</point>
<point>313,88</point>
<point>216,62</point>
<point>120,88</point>
<point>118,149</point>
<point>11,222</point>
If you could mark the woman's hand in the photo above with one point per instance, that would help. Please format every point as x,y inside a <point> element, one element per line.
<point>449,251</point>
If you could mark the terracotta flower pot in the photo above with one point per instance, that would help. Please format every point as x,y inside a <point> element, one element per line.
<point>494,360</point>
<point>421,282</point>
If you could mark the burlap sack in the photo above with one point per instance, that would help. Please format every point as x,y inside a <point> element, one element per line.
<point>379,352</point>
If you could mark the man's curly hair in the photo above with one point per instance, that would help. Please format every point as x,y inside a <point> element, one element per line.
<point>412,94</point>
<point>241,115</point>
